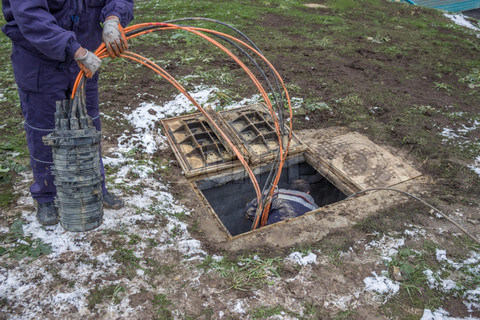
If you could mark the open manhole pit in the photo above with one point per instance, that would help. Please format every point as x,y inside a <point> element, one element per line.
<point>228,194</point>
<point>335,168</point>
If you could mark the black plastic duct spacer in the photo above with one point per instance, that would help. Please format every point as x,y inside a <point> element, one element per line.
<point>75,146</point>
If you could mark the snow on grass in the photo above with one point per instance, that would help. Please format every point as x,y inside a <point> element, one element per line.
<point>414,231</point>
<point>436,282</point>
<point>238,307</point>
<point>28,286</point>
<point>474,259</point>
<point>460,19</point>
<point>381,285</point>
<point>147,135</point>
<point>470,266</point>
<point>472,298</point>
<point>440,314</point>
<point>342,302</point>
<point>460,133</point>
<point>476,166</point>
<point>302,259</point>
<point>387,245</point>
<point>59,239</point>
<point>461,137</point>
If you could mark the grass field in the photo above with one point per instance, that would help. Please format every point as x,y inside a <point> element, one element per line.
<point>405,76</point>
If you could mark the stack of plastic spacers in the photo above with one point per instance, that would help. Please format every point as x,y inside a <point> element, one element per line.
<point>76,166</point>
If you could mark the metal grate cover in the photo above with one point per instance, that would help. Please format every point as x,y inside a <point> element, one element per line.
<point>198,148</point>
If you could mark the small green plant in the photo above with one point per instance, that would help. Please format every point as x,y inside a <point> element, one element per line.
<point>335,258</point>
<point>345,315</point>
<point>472,80</point>
<point>317,106</point>
<point>127,259</point>
<point>324,42</point>
<point>379,39</point>
<point>18,246</point>
<point>111,293</point>
<point>266,312</point>
<point>442,86</point>
<point>350,100</point>
<point>161,303</point>
<point>246,274</point>
<point>116,295</point>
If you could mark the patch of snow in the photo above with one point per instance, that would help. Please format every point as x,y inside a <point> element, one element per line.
<point>459,19</point>
<point>217,258</point>
<point>256,98</point>
<point>387,245</point>
<point>476,166</point>
<point>106,116</point>
<point>381,285</point>
<point>460,135</point>
<point>296,102</point>
<point>474,259</point>
<point>472,299</point>
<point>440,314</point>
<point>58,238</point>
<point>441,256</point>
<point>238,308</point>
<point>449,134</point>
<point>414,231</point>
<point>301,259</point>
<point>436,282</point>
<point>342,302</point>
<point>23,284</point>
<point>146,119</point>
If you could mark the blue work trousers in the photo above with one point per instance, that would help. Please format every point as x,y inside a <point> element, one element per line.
<point>40,84</point>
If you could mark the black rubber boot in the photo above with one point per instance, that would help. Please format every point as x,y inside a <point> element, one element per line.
<point>47,213</point>
<point>112,201</point>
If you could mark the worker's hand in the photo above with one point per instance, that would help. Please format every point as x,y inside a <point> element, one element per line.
<point>88,62</point>
<point>114,37</point>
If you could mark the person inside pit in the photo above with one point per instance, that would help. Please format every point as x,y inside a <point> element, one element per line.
<point>286,203</point>
<point>51,41</point>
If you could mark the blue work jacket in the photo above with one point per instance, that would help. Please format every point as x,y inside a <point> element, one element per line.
<point>285,204</point>
<point>54,30</point>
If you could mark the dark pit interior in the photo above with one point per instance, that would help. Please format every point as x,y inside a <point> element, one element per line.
<point>228,194</point>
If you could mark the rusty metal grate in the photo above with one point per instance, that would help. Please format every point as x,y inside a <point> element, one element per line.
<point>200,144</point>
<point>201,149</point>
<point>257,133</point>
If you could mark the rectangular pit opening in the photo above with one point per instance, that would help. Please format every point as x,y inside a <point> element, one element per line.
<point>228,193</point>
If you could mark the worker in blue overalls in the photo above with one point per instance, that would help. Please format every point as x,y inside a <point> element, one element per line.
<point>51,41</point>
<point>286,203</point>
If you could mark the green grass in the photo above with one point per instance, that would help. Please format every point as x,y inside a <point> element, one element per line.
<point>111,294</point>
<point>161,304</point>
<point>245,274</point>
<point>265,312</point>
<point>416,291</point>
<point>15,244</point>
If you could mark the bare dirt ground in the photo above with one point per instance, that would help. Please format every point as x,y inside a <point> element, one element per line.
<point>155,258</point>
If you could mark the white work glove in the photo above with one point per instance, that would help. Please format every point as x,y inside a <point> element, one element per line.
<point>89,63</point>
<point>114,38</point>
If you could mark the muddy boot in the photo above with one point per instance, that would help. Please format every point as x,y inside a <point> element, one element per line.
<point>47,213</point>
<point>112,201</point>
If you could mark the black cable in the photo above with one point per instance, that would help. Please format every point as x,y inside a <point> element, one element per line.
<point>219,22</point>
<point>277,96</point>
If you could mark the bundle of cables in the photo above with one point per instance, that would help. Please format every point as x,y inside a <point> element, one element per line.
<point>276,102</point>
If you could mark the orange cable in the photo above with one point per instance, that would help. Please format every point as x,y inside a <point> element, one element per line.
<point>164,26</point>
